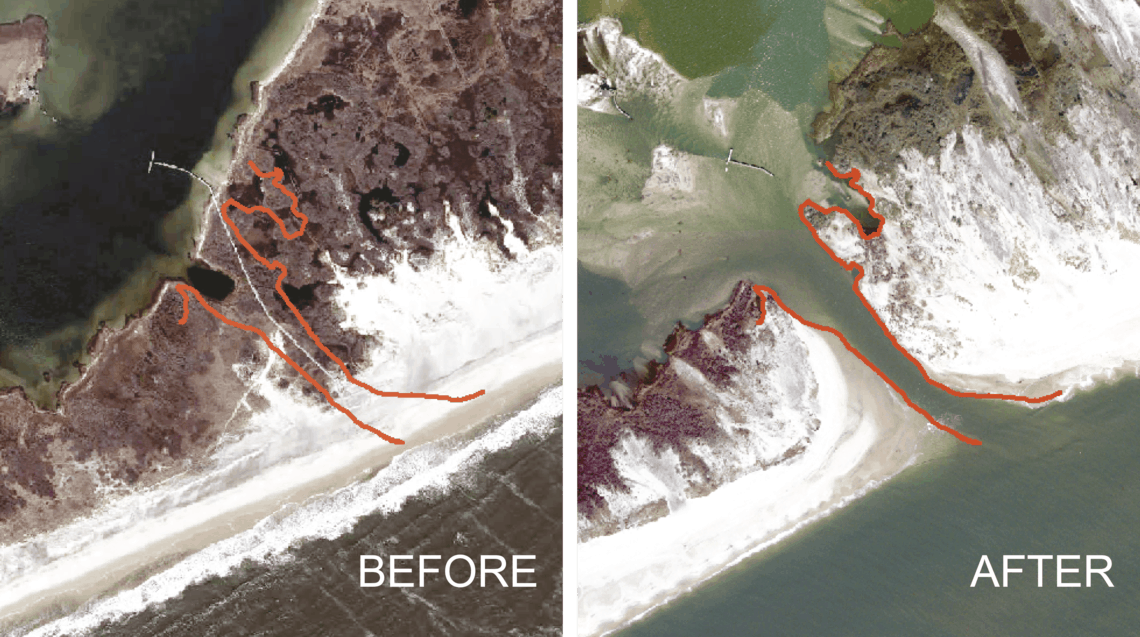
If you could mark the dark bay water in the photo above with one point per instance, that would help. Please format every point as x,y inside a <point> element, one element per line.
<point>79,215</point>
<point>1059,480</point>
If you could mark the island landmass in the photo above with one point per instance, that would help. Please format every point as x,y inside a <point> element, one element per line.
<point>23,54</point>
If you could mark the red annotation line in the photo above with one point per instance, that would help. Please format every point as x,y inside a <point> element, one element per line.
<point>183,289</point>
<point>766,293</point>
<point>852,179</point>
<point>276,175</point>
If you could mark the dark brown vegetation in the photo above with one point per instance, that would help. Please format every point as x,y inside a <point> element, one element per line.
<point>391,113</point>
<point>663,408</point>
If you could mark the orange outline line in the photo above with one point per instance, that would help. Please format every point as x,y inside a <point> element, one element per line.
<point>762,291</point>
<point>277,175</point>
<point>852,179</point>
<point>183,288</point>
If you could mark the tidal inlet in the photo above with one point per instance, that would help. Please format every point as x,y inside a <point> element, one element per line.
<point>872,363</point>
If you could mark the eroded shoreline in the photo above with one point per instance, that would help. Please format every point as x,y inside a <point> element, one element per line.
<point>867,437</point>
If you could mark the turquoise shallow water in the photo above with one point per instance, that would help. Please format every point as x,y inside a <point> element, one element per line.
<point>612,327</point>
<point>1060,479</point>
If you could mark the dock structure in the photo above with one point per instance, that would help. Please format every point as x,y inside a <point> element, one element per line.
<point>612,90</point>
<point>613,96</point>
<point>736,162</point>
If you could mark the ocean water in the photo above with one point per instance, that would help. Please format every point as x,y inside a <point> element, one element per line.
<point>1058,479</point>
<point>492,490</point>
<point>314,588</point>
<point>85,232</point>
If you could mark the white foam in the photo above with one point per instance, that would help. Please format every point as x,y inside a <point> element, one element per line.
<point>473,320</point>
<point>434,467</point>
<point>1011,281</point>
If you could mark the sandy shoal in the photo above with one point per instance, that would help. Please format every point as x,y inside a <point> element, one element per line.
<point>867,435</point>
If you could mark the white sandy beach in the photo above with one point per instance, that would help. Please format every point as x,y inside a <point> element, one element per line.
<point>474,322</point>
<point>328,515</point>
<point>866,436</point>
<point>469,320</point>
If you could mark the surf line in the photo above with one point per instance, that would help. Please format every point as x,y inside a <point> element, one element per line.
<point>276,176</point>
<point>852,179</point>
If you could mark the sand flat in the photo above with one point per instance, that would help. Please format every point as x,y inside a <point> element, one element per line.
<point>23,52</point>
<point>867,436</point>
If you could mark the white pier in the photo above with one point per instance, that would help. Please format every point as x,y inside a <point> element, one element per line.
<point>735,162</point>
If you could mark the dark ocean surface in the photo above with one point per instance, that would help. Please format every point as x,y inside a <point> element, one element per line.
<point>509,503</point>
<point>1060,480</point>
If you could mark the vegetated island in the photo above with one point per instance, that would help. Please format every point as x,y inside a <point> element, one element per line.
<point>23,53</point>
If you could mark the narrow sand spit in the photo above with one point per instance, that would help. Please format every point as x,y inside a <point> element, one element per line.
<point>866,436</point>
